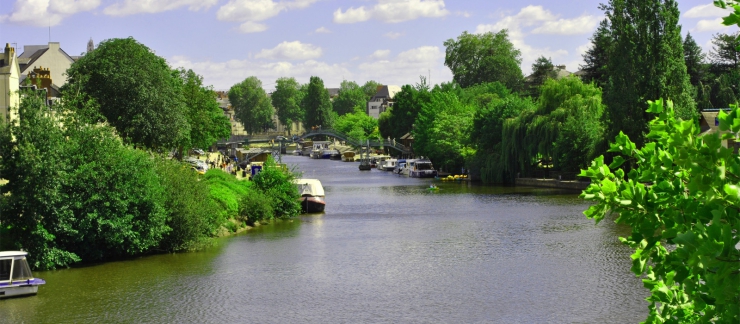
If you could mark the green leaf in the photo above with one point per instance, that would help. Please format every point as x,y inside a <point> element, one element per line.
<point>616,162</point>
<point>608,186</point>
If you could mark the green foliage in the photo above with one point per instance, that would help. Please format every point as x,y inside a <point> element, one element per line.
<point>207,121</point>
<point>255,207</point>
<point>358,125</point>
<point>287,101</point>
<point>725,56</point>
<point>317,105</point>
<point>566,127</point>
<point>351,99</point>
<point>542,69</point>
<point>694,59</point>
<point>370,88</point>
<point>646,61</point>
<point>680,199</point>
<point>442,129</point>
<point>136,93</point>
<point>226,191</point>
<point>251,105</point>
<point>479,58</point>
<point>276,184</point>
<point>596,57</point>
<point>192,214</point>
<point>400,118</point>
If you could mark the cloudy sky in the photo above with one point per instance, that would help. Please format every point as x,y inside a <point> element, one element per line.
<point>390,41</point>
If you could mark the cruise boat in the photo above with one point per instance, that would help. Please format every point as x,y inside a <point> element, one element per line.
<point>422,169</point>
<point>321,150</point>
<point>388,165</point>
<point>312,195</point>
<point>16,278</point>
<point>400,165</point>
<point>407,167</point>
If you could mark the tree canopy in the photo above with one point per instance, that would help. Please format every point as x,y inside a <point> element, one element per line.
<point>317,105</point>
<point>487,57</point>
<point>251,106</point>
<point>596,57</point>
<point>648,62</point>
<point>287,101</point>
<point>207,121</point>
<point>351,98</point>
<point>135,90</point>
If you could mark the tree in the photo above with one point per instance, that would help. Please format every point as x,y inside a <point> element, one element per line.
<point>488,57</point>
<point>442,131</point>
<point>370,88</point>
<point>681,200</point>
<point>317,105</point>
<point>135,91</point>
<point>206,119</point>
<point>287,101</point>
<point>596,57</point>
<point>725,56</point>
<point>694,59</point>
<point>252,108</point>
<point>647,62</point>
<point>358,125</point>
<point>542,69</point>
<point>351,98</point>
<point>400,118</point>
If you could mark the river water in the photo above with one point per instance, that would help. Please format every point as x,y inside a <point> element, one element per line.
<point>386,250</point>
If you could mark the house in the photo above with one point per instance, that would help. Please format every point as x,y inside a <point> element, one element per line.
<point>50,56</point>
<point>382,100</point>
<point>10,75</point>
<point>709,123</point>
<point>560,72</point>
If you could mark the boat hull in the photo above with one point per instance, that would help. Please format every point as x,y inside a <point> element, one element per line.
<point>365,167</point>
<point>422,173</point>
<point>22,288</point>
<point>312,204</point>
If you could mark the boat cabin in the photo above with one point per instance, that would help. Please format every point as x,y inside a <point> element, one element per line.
<point>16,278</point>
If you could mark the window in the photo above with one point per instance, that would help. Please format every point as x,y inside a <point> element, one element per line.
<point>21,271</point>
<point>5,269</point>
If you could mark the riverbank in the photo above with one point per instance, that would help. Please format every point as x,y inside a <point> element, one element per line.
<point>552,183</point>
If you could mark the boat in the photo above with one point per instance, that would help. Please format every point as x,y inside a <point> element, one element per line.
<point>307,148</point>
<point>321,150</point>
<point>407,167</point>
<point>389,164</point>
<point>312,195</point>
<point>331,154</point>
<point>422,169</point>
<point>348,156</point>
<point>400,164</point>
<point>16,278</point>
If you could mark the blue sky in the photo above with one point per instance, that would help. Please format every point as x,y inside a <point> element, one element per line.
<point>390,41</point>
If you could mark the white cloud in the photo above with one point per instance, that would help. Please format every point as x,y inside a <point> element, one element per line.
<point>575,26</point>
<point>291,51</point>
<point>392,11</point>
<point>393,35</point>
<point>132,7</point>
<point>705,11</point>
<point>463,14</point>
<point>222,75</point>
<point>252,27</point>
<point>380,54</point>
<point>46,12</point>
<point>407,66</point>
<point>538,20</point>
<point>322,30</point>
<point>249,12</point>
<point>709,25</point>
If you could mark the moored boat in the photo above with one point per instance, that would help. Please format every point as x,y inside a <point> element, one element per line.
<point>312,195</point>
<point>348,156</point>
<point>16,278</point>
<point>389,164</point>
<point>422,169</point>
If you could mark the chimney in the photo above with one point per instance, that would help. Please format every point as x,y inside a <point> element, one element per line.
<point>8,54</point>
<point>53,46</point>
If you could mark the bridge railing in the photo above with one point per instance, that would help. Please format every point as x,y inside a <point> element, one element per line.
<point>355,142</point>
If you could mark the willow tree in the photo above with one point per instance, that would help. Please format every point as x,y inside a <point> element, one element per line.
<point>647,61</point>
<point>565,128</point>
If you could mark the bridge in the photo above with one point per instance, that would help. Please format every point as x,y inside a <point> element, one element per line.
<point>358,143</point>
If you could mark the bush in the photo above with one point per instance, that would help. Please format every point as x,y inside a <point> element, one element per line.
<point>277,186</point>
<point>255,207</point>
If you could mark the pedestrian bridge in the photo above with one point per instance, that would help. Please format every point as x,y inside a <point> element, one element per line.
<point>357,143</point>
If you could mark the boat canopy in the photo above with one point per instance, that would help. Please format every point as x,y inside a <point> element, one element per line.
<point>15,260</point>
<point>309,187</point>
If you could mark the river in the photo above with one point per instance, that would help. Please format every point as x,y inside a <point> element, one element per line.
<point>386,250</point>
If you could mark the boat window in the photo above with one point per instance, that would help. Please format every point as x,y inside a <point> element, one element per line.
<point>424,166</point>
<point>21,271</point>
<point>5,269</point>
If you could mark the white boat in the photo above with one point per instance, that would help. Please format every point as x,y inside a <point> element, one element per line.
<point>422,169</point>
<point>408,166</point>
<point>389,164</point>
<point>312,195</point>
<point>320,150</point>
<point>16,278</point>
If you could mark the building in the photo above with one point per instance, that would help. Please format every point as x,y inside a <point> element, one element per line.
<point>50,56</point>
<point>382,100</point>
<point>10,75</point>
<point>560,72</point>
<point>709,124</point>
